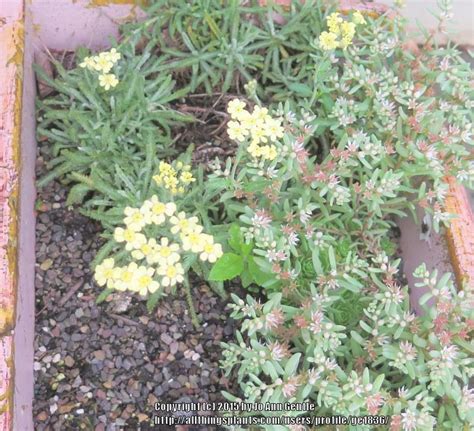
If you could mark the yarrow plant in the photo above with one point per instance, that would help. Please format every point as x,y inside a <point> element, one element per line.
<point>160,243</point>
<point>103,64</point>
<point>191,237</point>
<point>157,239</point>
<point>341,32</point>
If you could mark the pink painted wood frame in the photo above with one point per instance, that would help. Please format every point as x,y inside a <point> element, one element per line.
<point>11,70</point>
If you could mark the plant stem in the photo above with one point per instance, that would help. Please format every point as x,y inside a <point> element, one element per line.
<point>189,298</point>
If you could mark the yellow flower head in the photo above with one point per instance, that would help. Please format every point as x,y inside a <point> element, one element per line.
<point>347,32</point>
<point>146,250</point>
<point>166,253</point>
<point>171,274</point>
<point>166,168</point>
<point>162,254</point>
<point>268,152</point>
<point>133,239</point>
<point>103,63</point>
<point>187,178</point>
<point>260,127</point>
<point>124,235</point>
<point>137,243</point>
<point>254,150</point>
<point>113,55</point>
<point>168,177</point>
<point>261,114</point>
<point>193,241</point>
<point>183,224</point>
<point>236,108</point>
<point>236,131</point>
<point>108,81</point>
<point>158,211</point>
<point>274,129</point>
<point>143,282</point>
<point>247,120</point>
<point>104,273</point>
<point>358,18</point>
<point>124,277</point>
<point>328,41</point>
<point>136,219</point>
<point>88,63</point>
<point>340,32</point>
<point>333,21</point>
<point>210,251</point>
<point>259,134</point>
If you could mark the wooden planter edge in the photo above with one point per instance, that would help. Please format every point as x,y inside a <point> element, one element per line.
<point>11,73</point>
<point>460,234</point>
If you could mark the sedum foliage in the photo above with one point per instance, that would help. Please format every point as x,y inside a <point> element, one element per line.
<point>337,326</point>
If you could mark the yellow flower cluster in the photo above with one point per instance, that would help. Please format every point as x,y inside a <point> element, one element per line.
<point>341,32</point>
<point>103,64</point>
<point>169,178</point>
<point>257,126</point>
<point>162,257</point>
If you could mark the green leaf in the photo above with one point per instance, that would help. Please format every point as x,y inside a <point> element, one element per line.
<point>153,300</point>
<point>77,193</point>
<point>327,102</point>
<point>235,237</point>
<point>300,89</point>
<point>228,396</point>
<point>378,382</point>
<point>420,342</point>
<point>103,295</point>
<point>316,262</point>
<point>246,278</point>
<point>357,338</point>
<point>332,258</point>
<point>425,298</point>
<point>411,370</point>
<point>229,266</point>
<point>258,275</point>
<point>103,252</point>
<point>464,344</point>
<point>292,364</point>
<point>401,149</point>
<point>246,248</point>
<point>256,185</point>
<point>270,370</point>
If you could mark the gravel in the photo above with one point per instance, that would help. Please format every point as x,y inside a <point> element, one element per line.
<point>102,367</point>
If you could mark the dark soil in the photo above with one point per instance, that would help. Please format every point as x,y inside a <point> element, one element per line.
<point>103,367</point>
<point>209,132</point>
